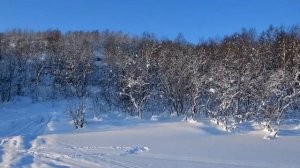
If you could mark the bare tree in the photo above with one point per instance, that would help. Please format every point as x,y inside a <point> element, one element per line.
<point>175,72</point>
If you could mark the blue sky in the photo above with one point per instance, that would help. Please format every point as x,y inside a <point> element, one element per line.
<point>195,19</point>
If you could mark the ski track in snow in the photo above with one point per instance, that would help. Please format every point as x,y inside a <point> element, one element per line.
<point>22,132</point>
<point>16,147</point>
<point>97,159</point>
<point>90,159</point>
<point>36,137</point>
<point>14,152</point>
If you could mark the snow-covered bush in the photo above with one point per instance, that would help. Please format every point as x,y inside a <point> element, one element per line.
<point>76,110</point>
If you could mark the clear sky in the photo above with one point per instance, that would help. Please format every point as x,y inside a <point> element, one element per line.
<point>195,19</point>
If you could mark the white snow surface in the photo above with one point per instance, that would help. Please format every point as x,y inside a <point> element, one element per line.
<point>212,90</point>
<point>42,135</point>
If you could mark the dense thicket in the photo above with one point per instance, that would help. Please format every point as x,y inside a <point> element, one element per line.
<point>237,78</point>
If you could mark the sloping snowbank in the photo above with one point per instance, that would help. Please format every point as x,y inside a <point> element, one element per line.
<point>42,135</point>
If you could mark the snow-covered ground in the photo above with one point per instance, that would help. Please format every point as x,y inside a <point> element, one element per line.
<point>42,135</point>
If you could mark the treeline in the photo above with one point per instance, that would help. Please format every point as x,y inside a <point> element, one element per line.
<point>240,77</point>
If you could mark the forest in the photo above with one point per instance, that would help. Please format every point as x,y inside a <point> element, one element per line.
<point>240,77</point>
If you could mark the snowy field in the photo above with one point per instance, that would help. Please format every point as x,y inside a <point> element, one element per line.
<point>42,135</point>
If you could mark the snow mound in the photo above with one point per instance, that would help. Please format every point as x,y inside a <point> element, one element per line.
<point>43,135</point>
<point>136,150</point>
<point>191,120</point>
<point>211,90</point>
<point>272,135</point>
<point>154,118</point>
